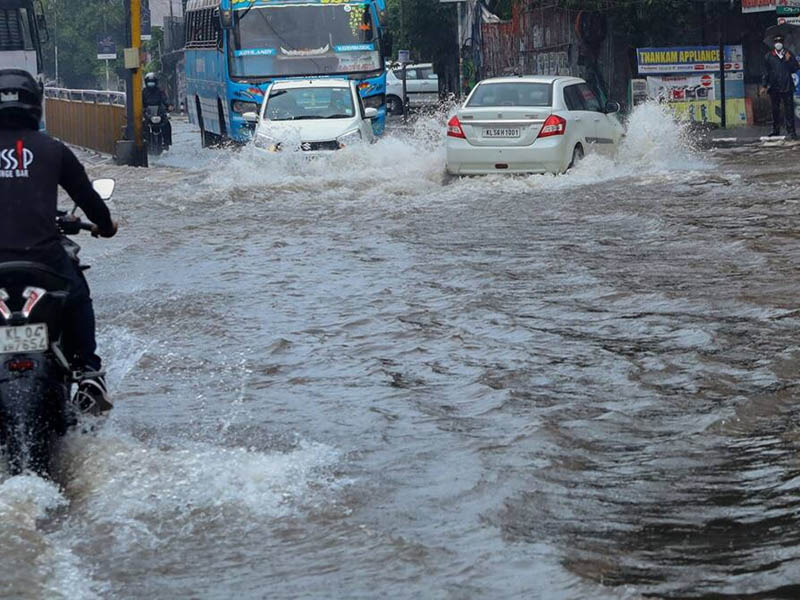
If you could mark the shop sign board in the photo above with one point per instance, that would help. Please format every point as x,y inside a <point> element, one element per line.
<point>688,59</point>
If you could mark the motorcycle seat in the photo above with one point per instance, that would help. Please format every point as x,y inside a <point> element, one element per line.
<point>25,273</point>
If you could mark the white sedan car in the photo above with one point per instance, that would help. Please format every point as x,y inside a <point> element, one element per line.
<point>312,116</point>
<point>530,124</point>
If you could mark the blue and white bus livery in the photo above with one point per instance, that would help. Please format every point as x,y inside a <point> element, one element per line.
<point>236,48</point>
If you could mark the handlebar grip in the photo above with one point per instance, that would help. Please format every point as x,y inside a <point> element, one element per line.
<point>86,226</point>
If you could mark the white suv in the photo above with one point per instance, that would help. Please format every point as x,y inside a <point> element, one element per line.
<point>422,87</point>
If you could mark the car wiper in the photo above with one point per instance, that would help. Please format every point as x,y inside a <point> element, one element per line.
<point>306,117</point>
<point>338,117</point>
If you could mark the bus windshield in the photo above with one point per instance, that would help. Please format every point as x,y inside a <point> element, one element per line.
<point>308,39</point>
<point>15,30</point>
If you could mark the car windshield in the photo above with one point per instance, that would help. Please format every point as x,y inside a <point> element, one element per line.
<point>310,103</point>
<point>308,39</point>
<point>512,94</point>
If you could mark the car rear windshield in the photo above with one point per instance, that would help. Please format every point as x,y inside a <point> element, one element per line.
<point>512,94</point>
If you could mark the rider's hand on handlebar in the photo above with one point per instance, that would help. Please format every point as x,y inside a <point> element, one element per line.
<point>106,234</point>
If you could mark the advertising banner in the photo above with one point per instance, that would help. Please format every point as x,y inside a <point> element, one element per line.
<point>687,59</point>
<point>694,98</point>
<point>751,6</point>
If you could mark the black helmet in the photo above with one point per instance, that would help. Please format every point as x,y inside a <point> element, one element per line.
<point>20,98</point>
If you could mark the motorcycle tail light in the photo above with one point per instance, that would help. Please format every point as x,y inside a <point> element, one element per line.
<point>5,312</point>
<point>18,366</point>
<point>32,295</point>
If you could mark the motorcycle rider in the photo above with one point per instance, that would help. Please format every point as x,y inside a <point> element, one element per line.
<point>33,165</point>
<point>152,95</point>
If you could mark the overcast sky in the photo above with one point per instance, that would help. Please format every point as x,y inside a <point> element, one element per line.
<point>160,9</point>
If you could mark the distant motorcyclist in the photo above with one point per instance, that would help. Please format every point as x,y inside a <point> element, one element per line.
<point>33,167</point>
<point>779,66</point>
<point>152,95</point>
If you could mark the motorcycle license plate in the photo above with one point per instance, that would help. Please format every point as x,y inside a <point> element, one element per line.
<point>24,338</point>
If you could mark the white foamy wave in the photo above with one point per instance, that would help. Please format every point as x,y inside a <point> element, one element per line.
<point>26,498</point>
<point>122,351</point>
<point>409,160</point>
<point>43,565</point>
<point>178,481</point>
<point>656,141</point>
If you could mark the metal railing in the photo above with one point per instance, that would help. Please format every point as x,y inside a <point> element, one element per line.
<point>87,118</point>
<point>95,96</point>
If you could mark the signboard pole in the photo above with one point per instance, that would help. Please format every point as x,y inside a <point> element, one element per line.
<point>723,116</point>
<point>404,56</point>
<point>460,53</point>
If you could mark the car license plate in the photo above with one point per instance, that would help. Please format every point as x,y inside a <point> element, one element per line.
<point>25,338</point>
<point>507,132</point>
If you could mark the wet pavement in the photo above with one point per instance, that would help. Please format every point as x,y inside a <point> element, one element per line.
<point>357,377</point>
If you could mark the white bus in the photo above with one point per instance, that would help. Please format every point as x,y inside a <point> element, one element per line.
<point>21,28</point>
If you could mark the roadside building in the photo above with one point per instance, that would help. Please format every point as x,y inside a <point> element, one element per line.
<point>601,42</point>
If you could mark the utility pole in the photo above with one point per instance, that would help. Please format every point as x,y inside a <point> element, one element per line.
<point>55,41</point>
<point>131,151</point>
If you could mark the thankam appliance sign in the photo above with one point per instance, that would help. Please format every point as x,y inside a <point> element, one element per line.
<point>688,59</point>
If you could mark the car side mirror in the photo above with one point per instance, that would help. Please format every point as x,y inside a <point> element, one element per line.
<point>612,107</point>
<point>371,112</point>
<point>104,187</point>
<point>250,117</point>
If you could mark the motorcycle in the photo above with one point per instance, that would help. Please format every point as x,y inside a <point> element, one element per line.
<point>154,130</point>
<point>36,378</point>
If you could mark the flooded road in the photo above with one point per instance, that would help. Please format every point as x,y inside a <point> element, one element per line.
<point>358,378</point>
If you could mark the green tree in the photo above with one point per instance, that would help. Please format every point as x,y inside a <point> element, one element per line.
<point>427,28</point>
<point>74,26</point>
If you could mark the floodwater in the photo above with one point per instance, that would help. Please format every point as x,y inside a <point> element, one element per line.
<point>355,377</point>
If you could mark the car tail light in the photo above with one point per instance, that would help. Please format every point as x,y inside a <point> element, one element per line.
<point>454,128</point>
<point>554,125</point>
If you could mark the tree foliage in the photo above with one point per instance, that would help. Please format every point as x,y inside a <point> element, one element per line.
<point>74,27</point>
<point>426,27</point>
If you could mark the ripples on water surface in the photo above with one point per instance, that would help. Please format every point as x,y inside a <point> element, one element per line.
<point>359,378</point>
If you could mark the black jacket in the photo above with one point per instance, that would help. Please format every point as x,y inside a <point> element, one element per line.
<point>32,166</point>
<point>777,72</point>
<point>154,97</point>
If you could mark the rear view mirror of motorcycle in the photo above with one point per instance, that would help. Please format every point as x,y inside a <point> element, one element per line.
<point>104,187</point>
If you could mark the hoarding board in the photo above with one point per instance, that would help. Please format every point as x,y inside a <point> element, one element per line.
<point>751,6</point>
<point>106,48</point>
<point>688,59</point>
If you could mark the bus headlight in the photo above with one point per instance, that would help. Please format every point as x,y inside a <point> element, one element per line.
<point>349,138</point>
<point>242,107</point>
<point>375,101</point>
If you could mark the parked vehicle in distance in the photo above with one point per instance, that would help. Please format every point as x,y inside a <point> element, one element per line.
<point>529,124</point>
<point>422,87</point>
<point>313,116</point>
